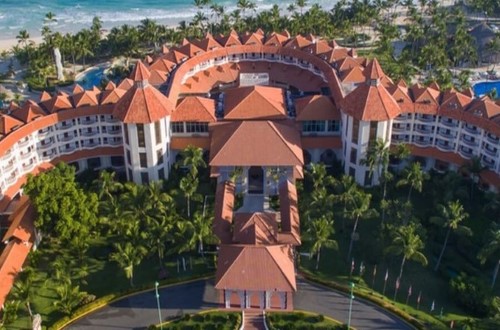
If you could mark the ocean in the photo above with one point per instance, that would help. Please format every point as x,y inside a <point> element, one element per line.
<point>73,15</point>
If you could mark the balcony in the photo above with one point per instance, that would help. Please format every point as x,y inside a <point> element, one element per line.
<point>488,162</point>
<point>26,155</point>
<point>90,145</point>
<point>468,141</point>
<point>91,133</point>
<point>29,166</point>
<point>65,126</point>
<point>422,143</point>
<point>220,61</point>
<point>23,143</point>
<point>471,129</point>
<point>399,129</point>
<point>424,129</point>
<point>448,123</point>
<point>44,132</point>
<point>115,142</point>
<point>450,135</point>
<point>114,131</point>
<point>465,152</point>
<point>9,167</point>
<point>66,138</point>
<point>46,144</point>
<point>67,150</point>
<point>10,180</point>
<point>90,121</point>
<point>445,146</point>
<point>492,138</point>
<point>492,152</point>
<point>111,120</point>
<point>400,139</point>
<point>425,118</point>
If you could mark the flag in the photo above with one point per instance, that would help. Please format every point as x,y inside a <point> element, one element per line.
<point>419,296</point>
<point>397,283</point>
<point>409,291</point>
<point>386,275</point>
<point>433,306</point>
<point>352,265</point>
<point>452,324</point>
<point>374,270</point>
<point>361,269</point>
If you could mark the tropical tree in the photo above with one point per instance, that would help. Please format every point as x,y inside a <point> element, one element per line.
<point>492,250</point>
<point>23,288</point>
<point>149,32</point>
<point>474,168</point>
<point>127,256</point>
<point>319,233</point>
<point>413,176</point>
<point>193,158</point>
<point>160,231</point>
<point>201,229</point>
<point>188,186</point>
<point>345,189</point>
<point>358,208</point>
<point>407,243</point>
<point>10,311</point>
<point>450,218</point>
<point>69,297</point>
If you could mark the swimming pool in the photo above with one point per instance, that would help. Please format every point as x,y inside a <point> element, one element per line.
<point>91,78</point>
<point>484,87</point>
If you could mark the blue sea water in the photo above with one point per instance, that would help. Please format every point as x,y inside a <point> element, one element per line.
<point>73,15</point>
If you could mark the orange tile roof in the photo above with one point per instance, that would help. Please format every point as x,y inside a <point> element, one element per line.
<point>157,77</point>
<point>29,112</point>
<point>162,64</point>
<point>484,107</point>
<point>276,39</point>
<point>373,71</point>
<point>190,49</point>
<point>346,63</point>
<point>255,228</point>
<point>223,213</point>
<point>112,96</point>
<point>142,104</point>
<point>45,96</point>
<point>256,268</point>
<point>316,107</point>
<point>289,210</point>
<point>229,144</point>
<point>353,75</point>
<point>126,84</point>
<point>232,39</point>
<point>254,102</point>
<point>21,222</point>
<point>11,262</point>
<point>252,39</point>
<point>110,86</point>
<point>371,103</point>
<point>195,109</point>
<point>8,124</point>
<point>85,98</point>
<point>297,42</point>
<point>78,89</point>
<point>318,48</point>
<point>140,72</point>
<point>57,103</point>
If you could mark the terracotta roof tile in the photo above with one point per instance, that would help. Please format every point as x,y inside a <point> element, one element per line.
<point>223,213</point>
<point>11,262</point>
<point>110,86</point>
<point>157,77</point>
<point>255,228</point>
<point>57,103</point>
<point>318,48</point>
<point>232,39</point>
<point>112,96</point>
<point>297,42</point>
<point>142,105</point>
<point>316,107</point>
<point>254,102</point>
<point>162,64</point>
<point>86,98</point>
<point>229,144</point>
<point>45,96</point>
<point>289,210</point>
<point>8,124</point>
<point>353,75</point>
<point>373,71</point>
<point>29,112</point>
<point>126,84</point>
<point>21,222</point>
<point>140,72</point>
<point>484,107</point>
<point>208,43</point>
<point>194,109</point>
<point>371,103</point>
<point>256,268</point>
<point>78,89</point>
<point>252,39</point>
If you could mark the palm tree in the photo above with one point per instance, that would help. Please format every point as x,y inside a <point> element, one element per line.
<point>346,189</point>
<point>319,232</point>
<point>23,37</point>
<point>193,158</point>
<point>50,17</point>
<point>188,186</point>
<point>407,243</point>
<point>474,168</point>
<point>68,297</point>
<point>301,4</point>
<point>23,288</point>
<point>492,250</point>
<point>128,256</point>
<point>107,185</point>
<point>149,32</point>
<point>358,208</point>
<point>450,218</point>
<point>9,311</point>
<point>159,232</point>
<point>245,5</point>
<point>413,176</point>
<point>202,229</point>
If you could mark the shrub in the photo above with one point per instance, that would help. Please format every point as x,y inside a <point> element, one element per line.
<point>472,294</point>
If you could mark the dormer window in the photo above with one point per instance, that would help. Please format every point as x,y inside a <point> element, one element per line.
<point>400,100</point>
<point>426,101</point>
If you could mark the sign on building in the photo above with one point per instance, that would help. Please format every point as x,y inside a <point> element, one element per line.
<point>252,79</point>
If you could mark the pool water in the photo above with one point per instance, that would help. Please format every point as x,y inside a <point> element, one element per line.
<point>91,78</point>
<point>484,87</point>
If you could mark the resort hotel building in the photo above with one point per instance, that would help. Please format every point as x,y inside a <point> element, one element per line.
<point>261,107</point>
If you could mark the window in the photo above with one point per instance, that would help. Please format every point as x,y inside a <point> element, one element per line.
<point>354,155</point>
<point>143,159</point>
<point>130,176</point>
<point>158,132</point>
<point>373,131</point>
<point>117,161</point>
<point>140,135</point>
<point>129,159</point>
<point>178,127</point>
<point>194,127</point>
<point>333,126</point>
<point>313,126</point>
<point>94,163</point>
<point>125,127</point>
<point>161,174</point>
<point>159,157</point>
<point>352,171</point>
<point>355,130</point>
<point>368,178</point>
<point>144,177</point>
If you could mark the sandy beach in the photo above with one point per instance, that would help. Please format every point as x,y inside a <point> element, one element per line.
<point>7,44</point>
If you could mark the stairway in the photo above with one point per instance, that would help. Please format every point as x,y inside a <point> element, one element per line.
<point>254,321</point>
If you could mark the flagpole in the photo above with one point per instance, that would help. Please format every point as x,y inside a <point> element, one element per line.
<point>374,274</point>
<point>408,295</point>
<point>385,281</point>
<point>418,299</point>
<point>350,307</point>
<point>396,290</point>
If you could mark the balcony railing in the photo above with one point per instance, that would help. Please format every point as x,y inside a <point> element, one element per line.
<point>425,118</point>
<point>423,129</point>
<point>88,121</point>
<point>422,143</point>
<point>490,152</point>
<point>465,153</point>
<point>491,139</point>
<point>26,155</point>
<point>113,131</point>
<point>469,142</point>
<point>23,143</point>
<point>10,180</point>
<point>65,126</point>
<point>488,162</point>
<point>9,167</point>
<point>448,123</point>
<point>91,133</point>
<point>450,135</point>
<point>47,144</point>
<point>471,130</point>
<point>444,146</point>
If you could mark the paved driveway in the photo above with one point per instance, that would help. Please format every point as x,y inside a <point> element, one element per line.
<point>139,311</point>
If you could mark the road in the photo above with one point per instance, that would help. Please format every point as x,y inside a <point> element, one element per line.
<point>139,311</point>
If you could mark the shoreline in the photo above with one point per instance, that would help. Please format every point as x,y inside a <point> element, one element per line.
<point>7,44</point>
